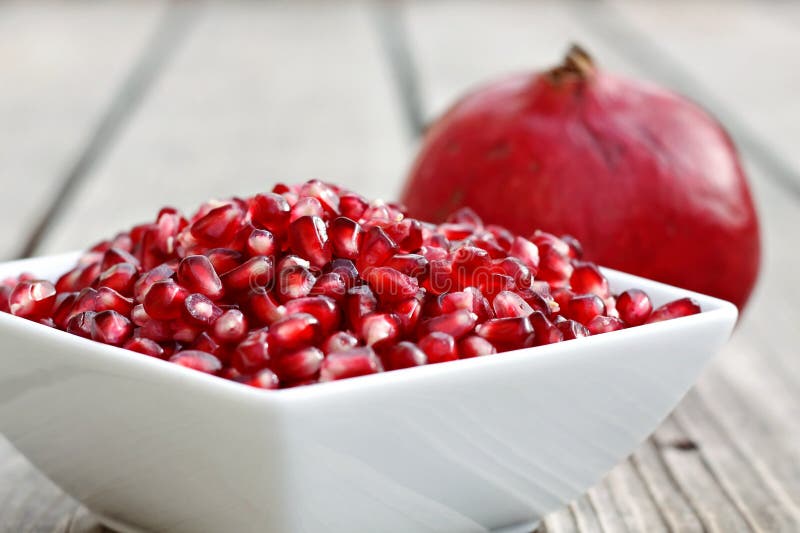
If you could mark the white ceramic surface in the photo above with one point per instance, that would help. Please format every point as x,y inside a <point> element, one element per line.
<point>485,444</point>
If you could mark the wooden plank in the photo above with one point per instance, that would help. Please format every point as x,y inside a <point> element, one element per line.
<point>62,63</point>
<point>260,93</point>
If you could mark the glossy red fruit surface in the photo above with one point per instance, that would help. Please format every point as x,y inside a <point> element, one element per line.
<point>554,150</point>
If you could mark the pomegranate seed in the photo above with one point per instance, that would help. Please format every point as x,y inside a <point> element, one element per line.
<point>230,327</point>
<point>120,277</point>
<point>300,365</point>
<point>456,324</point>
<point>145,346</point>
<point>224,259</point>
<point>5,292</point>
<point>164,300</point>
<point>471,266</point>
<point>675,309</point>
<point>584,308</point>
<point>571,329</point>
<point>183,332</point>
<point>634,307</point>
<point>346,269</point>
<point>604,324</point>
<point>562,297</point>
<point>322,308</point>
<point>465,215</point>
<point>516,269</point>
<point>331,285</point>
<point>456,232</point>
<point>409,312</point>
<point>575,248</point>
<point>474,346</point>
<point>377,247</point>
<point>169,223</point>
<point>263,307</point>
<point>158,330</point>
<point>381,329</point>
<point>62,306</point>
<point>271,212</point>
<point>439,347</point>
<point>494,284</point>
<point>32,299</point>
<point>359,302</point>
<point>115,256</point>
<point>255,272</point>
<point>413,265</point>
<point>200,310</point>
<point>554,267</point>
<point>139,316</point>
<point>352,205</point>
<point>511,332</point>
<point>525,251</point>
<point>218,226</point>
<point>261,242</point>
<point>348,364</point>
<point>107,299</point>
<point>404,355</point>
<point>197,360</point>
<point>346,237</point>
<point>293,332</point>
<point>545,331</point>
<point>339,342</point>
<point>306,207</point>
<point>147,279</point>
<point>538,302</point>
<point>503,237</point>
<point>206,343</point>
<point>252,353</point>
<point>509,304</point>
<point>170,348</point>
<point>264,379</point>
<point>81,324</point>
<point>294,282</point>
<point>308,238</point>
<point>197,274</point>
<point>587,279</point>
<point>111,327</point>
<point>440,279</point>
<point>391,285</point>
<point>324,193</point>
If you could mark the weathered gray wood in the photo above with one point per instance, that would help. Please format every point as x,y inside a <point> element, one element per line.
<point>259,93</point>
<point>61,64</point>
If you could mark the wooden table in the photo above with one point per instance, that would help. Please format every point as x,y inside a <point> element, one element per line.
<point>109,110</point>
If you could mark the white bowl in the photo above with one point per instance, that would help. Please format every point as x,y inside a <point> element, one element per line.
<point>486,444</point>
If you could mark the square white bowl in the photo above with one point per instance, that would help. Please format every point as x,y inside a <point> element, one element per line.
<point>486,444</point>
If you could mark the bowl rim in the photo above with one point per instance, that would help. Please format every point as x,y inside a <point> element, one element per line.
<point>713,310</point>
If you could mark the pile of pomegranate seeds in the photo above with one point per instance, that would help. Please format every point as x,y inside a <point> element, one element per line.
<point>313,283</point>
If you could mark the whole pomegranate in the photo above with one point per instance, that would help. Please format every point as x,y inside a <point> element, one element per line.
<point>648,181</point>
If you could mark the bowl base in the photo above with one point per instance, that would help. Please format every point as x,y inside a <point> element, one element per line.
<point>522,527</point>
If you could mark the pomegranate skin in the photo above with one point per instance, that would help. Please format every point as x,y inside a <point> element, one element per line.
<point>645,179</point>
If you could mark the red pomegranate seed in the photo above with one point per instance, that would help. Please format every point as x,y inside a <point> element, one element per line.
<point>440,276</point>
<point>294,282</point>
<point>494,284</point>
<point>252,353</point>
<point>331,285</point>
<point>439,347</point>
<point>293,332</point>
<point>263,307</point>
<point>509,304</point>
<point>107,299</point>
<point>224,259</point>
<point>516,269</point>
<point>455,232</point>
<point>197,274</point>
<point>562,297</point>
<point>470,299</point>
<point>413,265</point>
<point>675,309</point>
<point>115,256</point>
<point>525,251</point>
<point>604,324</point>
<point>538,302</point>
<point>168,223</point>
<point>512,332</point>
<point>322,308</point>
<point>197,360</point>
<point>300,365</point>
<point>139,316</point>
<point>164,300</point>
<point>409,312</point>
<point>554,268</point>
<point>381,329</point>
<point>120,277</point>
<point>545,331</point>
<point>170,348</point>
<point>465,215</point>
<point>306,207</point>
<point>62,307</point>
<point>359,302</point>
<point>587,279</point>
<point>32,299</point>
<point>111,327</point>
<point>147,279</point>
<point>352,205</point>
<point>255,272</point>
<point>634,307</point>
<point>376,249</point>
<point>548,241</point>
<point>324,193</point>
<point>391,285</point>
<point>339,342</point>
<point>85,301</point>
<point>271,212</point>
<point>218,226</point>
<point>346,237</point>
<point>264,379</point>
<point>308,238</point>
<point>474,346</point>
<point>471,266</point>
<point>183,332</point>
<point>261,242</point>
<point>584,308</point>
<point>571,329</point>
<point>348,364</point>
<point>456,324</point>
<point>145,346</point>
<point>230,327</point>
<point>200,310</point>
<point>404,355</point>
<point>81,324</point>
<point>206,343</point>
<point>346,269</point>
<point>575,248</point>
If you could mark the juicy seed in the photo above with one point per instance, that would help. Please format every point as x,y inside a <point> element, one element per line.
<point>439,347</point>
<point>634,307</point>
<point>322,308</point>
<point>230,327</point>
<point>308,238</point>
<point>584,308</point>
<point>391,285</point>
<point>511,332</point>
<point>545,332</point>
<point>509,304</point>
<point>339,342</point>
<point>376,249</point>
<point>293,332</point>
<point>252,353</point>
<point>296,366</point>
<point>456,324</point>
<point>164,300</point>
<point>32,299</point>
<point>295,282</point>
<point>346,236</point>
<point>264,379</point>
<point>474,346</point>
<point>145,346</point>
<point>675,309</point>
<point>404,355</point>
<point>604,324</point>
<point>200,310</point>
<point>348,364</point>
<point>197,274</point>
<point>381,329</point>
<point>587,279</point>
<point>572,330</point>
<point>197,360</point>
<point>253,273</point>
<point>111,327</point>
